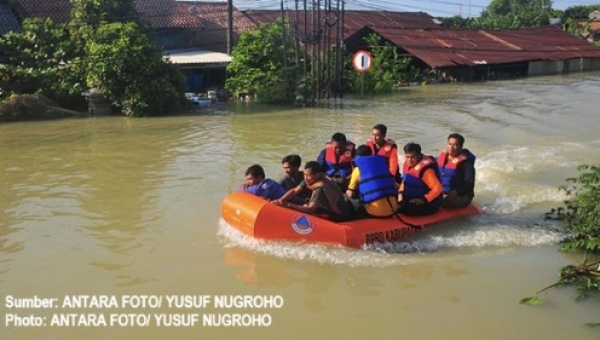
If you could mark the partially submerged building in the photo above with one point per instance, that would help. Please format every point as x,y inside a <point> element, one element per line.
<point>192,34</point>
<point>491,54</point>
<point>195,35</point>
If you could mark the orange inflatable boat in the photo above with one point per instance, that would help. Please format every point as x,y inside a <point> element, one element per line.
<point>259,218</point>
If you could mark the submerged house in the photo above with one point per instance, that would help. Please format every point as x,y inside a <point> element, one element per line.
<point>192,34</point>
<point>195,35</point>
<point>463,54</point>
<point>467,54</point>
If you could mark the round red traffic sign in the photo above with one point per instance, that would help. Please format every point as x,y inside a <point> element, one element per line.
<point>362,61</point>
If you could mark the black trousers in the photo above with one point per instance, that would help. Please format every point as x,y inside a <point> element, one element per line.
<point>408,208</point>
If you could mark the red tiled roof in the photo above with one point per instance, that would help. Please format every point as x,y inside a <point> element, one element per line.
<point>353,20</point>
<point>212,17</point>
<point>447,47</point>
<point>157,13</point>
<point>205,23</point>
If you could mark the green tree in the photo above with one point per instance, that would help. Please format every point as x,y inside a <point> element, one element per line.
<point>130,71</point>
<point>514,14</point>
<point>38,59</point>
<point>580,220</point>
<point>580,13</point>
<point>93,13</point>
<point>258,65</point>
<point>89,15</point>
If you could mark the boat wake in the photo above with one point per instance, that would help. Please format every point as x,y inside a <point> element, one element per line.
<point>480,234</point>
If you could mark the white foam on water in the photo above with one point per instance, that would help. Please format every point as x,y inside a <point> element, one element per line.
<point>312,252</point>
<point>486,231</point>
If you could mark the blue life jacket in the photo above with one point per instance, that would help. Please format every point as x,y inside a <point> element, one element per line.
<point>449,175</point>
<point>375,179</point>
<point>268,189</point>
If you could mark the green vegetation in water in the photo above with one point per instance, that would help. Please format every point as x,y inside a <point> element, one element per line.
<point>104,46</point>
<point>580,219</point>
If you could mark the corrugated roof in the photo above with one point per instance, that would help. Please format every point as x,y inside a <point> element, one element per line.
<point>354,20</point>
<point>196,56</point>
<point>446,48</point>
<point>8,22</point>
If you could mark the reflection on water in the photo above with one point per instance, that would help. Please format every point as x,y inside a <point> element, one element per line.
<point>129,206</point>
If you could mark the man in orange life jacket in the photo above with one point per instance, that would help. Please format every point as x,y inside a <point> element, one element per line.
<point>421,191</point>
<point>385,147</point>
<point>336,160</point>
<point>457,173</point>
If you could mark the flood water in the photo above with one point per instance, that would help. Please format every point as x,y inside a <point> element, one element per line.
<point>121,208</point>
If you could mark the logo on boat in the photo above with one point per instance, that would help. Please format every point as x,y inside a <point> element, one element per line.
<point>302,224</point>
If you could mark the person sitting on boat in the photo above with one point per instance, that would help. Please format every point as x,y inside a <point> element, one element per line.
<point>385,147</point>
<point>421,191</point>
<point>326,199</point>
<point>457,173</point>
<point>373,185</point>
<point>293,176</point>
<point>256,184</point>
<point>336,160</point>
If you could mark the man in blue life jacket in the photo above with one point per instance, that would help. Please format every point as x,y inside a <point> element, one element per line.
<point>380,145</point>
<point>372,184</point>
<point>457,173</point>
<point>336,160</point>
<point>421,191</point>
<point>256,184</point>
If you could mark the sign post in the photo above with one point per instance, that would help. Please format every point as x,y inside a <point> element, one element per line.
<point>362,62</point>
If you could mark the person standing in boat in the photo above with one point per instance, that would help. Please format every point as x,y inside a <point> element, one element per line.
<point>326,197</point>
<point>421,191</point>
<point>336,160</point>
<point>457,173</point>
<point>385,147</point>
<point>372,184</point>
<point>256,184</point>
<point>292,175</point>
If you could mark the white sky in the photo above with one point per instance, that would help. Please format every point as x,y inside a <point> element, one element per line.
<point>436,8</point>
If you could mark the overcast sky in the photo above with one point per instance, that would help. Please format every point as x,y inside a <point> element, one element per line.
<point>436,8</point>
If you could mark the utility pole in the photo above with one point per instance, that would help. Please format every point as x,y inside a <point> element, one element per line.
<point>229,26</point>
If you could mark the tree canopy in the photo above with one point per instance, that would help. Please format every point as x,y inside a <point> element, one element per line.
<point>102,47</point>
<point>263,64</point>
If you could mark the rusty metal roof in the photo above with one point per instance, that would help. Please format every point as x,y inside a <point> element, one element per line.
<point>8,22</point>
<point>354,20</point>
<point>447,47</point>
